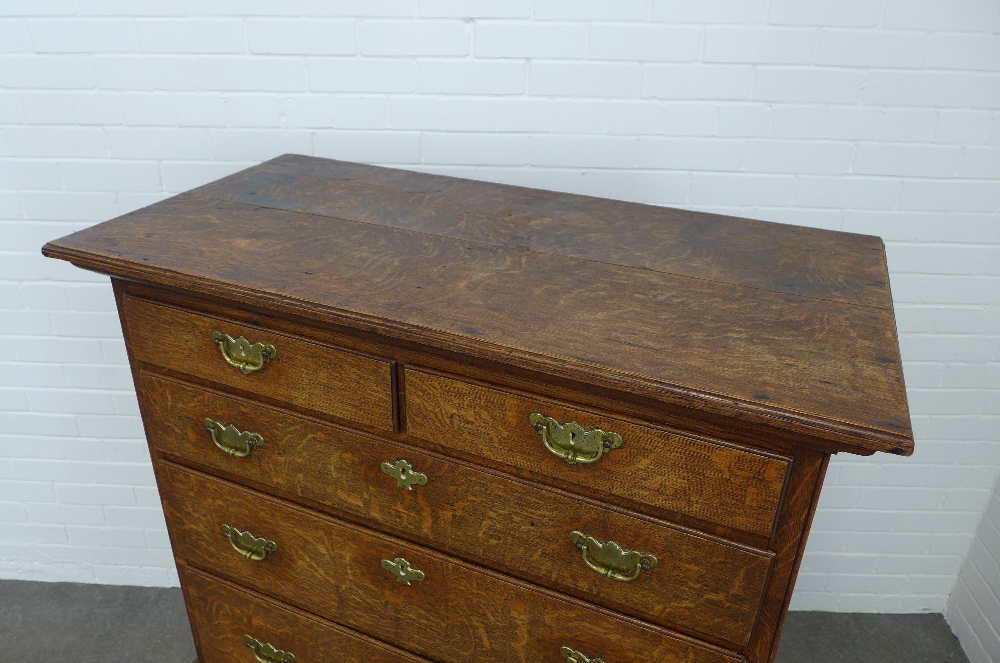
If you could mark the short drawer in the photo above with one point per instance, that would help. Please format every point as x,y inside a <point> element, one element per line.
<point>418,600</point>
<point>310,375</point>
<point>712,482</point>
<point>233,625</point>
<point>700,584</point>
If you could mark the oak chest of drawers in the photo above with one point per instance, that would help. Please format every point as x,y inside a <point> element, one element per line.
<point>404,417</point>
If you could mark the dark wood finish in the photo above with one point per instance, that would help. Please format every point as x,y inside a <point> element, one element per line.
<point>789,259</point>
<point>414,312</point>
<point>703,325</point>
<point>344,384</point>
<point>224,613</point>
<point>732,487</point>
<point>458,613</point>
<point>707,587</point>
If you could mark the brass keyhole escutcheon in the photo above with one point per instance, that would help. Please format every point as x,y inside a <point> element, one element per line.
<point>405,574</point>
<point>404,474</point>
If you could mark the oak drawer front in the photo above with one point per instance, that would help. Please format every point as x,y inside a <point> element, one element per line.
<point>310,375</point>
<point>223,615</point>
<point>449,611</point>
<point>700,584</point>
<point>712,482</point>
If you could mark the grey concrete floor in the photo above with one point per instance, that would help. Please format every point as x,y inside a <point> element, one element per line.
<point>831,637</point>
<point>66,622</point>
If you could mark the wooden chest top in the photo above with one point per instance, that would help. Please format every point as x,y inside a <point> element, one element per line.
<point>703,315</point>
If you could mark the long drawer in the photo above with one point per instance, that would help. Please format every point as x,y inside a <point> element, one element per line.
<point>233,625</point>
<point>416,599</point>
<point>310,375</point>
<point>709,481</point>
<point>701,584</point>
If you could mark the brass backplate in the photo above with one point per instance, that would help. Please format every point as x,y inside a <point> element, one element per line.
<point>248,545</point>
<point>265,652</point>
<point>230,440</point>
<point>242,354</point>
<point>610,559</point>
<point>576,657</point>
<point>571,441</point>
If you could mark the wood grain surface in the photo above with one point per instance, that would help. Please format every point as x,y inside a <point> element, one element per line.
<point>792,327</point>
<point>717,483</point>
<point>458,614</point>
<point>791,259</point>
<point>704,586</point>
<point>224,613</point>
<point>344,384</point>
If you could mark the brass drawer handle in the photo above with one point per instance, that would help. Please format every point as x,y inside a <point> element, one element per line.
<point>242,354</point>
<point>265,652</point>
<point>231,440</point>
<point>247,544</point>
<point>610,560</point>
<point>404,474</point>
<point>405,574</point>
<point>576,657</point>
<point>571,441</point>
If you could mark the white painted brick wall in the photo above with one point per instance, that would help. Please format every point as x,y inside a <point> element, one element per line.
<point>873,116</point>
<point>973,610</point>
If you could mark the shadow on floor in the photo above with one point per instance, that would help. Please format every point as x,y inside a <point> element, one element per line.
<point>63,622</point>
